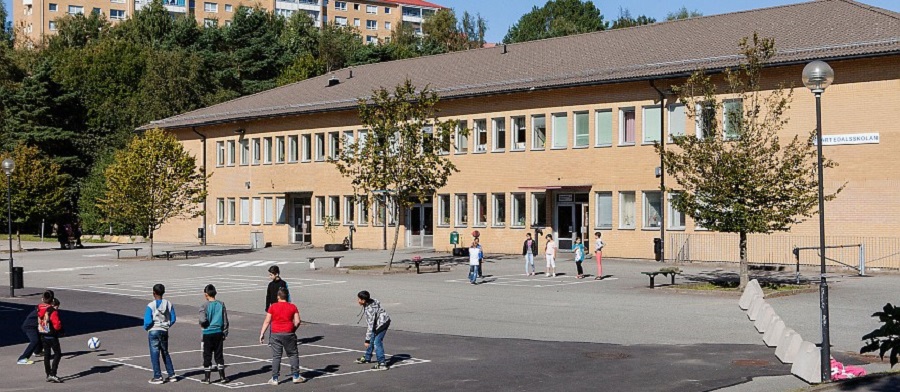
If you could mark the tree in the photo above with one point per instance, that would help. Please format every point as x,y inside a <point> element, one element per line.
<point>473,29</point>
<point>38,187</point>
<point>5,37</point>
<point>401,153</point>
<point>887,337</point>
<point>683,13</point>
<point>152,181</point>
<point>626,20</point>
<point>742,178</point>
<point>337,44</point>
<point>77,31</point>
<point>557,18</point>
<point>442,34</point>
<point>256,52</point>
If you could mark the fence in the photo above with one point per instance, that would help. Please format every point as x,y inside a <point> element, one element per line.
<point>880,252</point>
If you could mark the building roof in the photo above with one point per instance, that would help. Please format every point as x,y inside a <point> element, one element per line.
<point>822,29</point>
<point>417,3</point>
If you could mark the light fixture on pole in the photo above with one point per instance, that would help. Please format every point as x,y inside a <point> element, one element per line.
<point>8,166</point>
<point>817,76</point>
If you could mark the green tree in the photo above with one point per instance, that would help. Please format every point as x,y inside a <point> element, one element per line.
<point>886,338</point>
<point>152,181</point>
<point>441,32</point>
<point>401,153</point>
<point>683,13</point>
<point>405,43</point>
<point>741,178</point>
<point>5,36</point>
<point>626,20</point>
<point>256,53</point>
<point>77,31</point>
<point>337,46</point>
<point>557,18</point>
<point>38,187</point>
<point>473,29</point>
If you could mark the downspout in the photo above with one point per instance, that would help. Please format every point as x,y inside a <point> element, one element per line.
<point>663,138</point>
<point>203,140</point>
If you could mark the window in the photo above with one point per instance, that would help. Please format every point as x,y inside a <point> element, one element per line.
<point>220,153</point>
<point>387,10</point>
<point>334,145</point>
<point>392,212</point>
<point>462,140</point>
<point>443,210</point>
<point>293,148</point>
<point>320,210</point>
<point>334,208</point>
<point>229,8</point>
<point>372,9</point>
<point>480,209</point>
<point>254,147</point>
<point>604,210</point>
<point>340,20</point>
<point>257,209</point>
<point>227,23</point>
<point>97,11</point>
<point>705,119</point>
<point>379,211</point>
<point>371,39</point>
<point>356,22</point>
<point>53,7</point>
<point>518,133</point>
<point>677,119</point>
<point>499,211</point>
<point>269,208</point>
<point>279,149</point>
<point>74,10</point>
<point>245,211</point>
<point>363,136</point>
<point>582,129</point>
<point>320,147</point>
<point>117,14</point>
<point>560,131</point>
<point>626,126</point>
<point>267,150</point>
<point>444,144</point>
<point>387,25</point>
<point>347,142</point>
<point>220,211</point>
<point>676,218</point>
<point>371,24</point>
<point>733,116</point>
<point>652,209</point>
<point>280,212</point>
<point>245,151</point>
<point>340,5</point>
<point>231,153</point>
<point>538,132</point>
<point>539,209</point>
<point>307,147</point>
<point>462,210</point>
<point>349,210</point>
<point>211,7</point>
<point>626,210</point>
<point>356,7</point>
<point>52,25</point>
<point>231,207</point>
<point>518,210</point>
<point>499,125</point>
<point>363,212</point>
<point>652,124</point>
<point>480,135</point>
<point>117,1</point>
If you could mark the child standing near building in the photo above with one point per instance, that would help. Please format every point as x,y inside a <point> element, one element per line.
<point>214,321</point>
<point>550,254</point>
<point>598,253</point>
<point>474,257</point>
<point>284,318</point>
<point>159,316</point>
<point>578,248</point>
<point>377,323</point>
<point>275,284</point>
<point>480,258</point>
<point>50,328</point>
<point>529,249</point>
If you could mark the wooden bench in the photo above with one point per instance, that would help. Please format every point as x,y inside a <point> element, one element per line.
<point>664,272</point>
<point>418,260</point>
<point>169,253</point>
<point>312,260</point>
<point>119,251</point>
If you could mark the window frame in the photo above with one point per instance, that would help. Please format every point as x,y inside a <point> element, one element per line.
<point>461,210</point>
<point>598,224</point>
<point>255,211</point>
<point>518,205</point>
<point>371,9</point>
<point>320,147</point>
<point>518,124</point>
<point>245,210</point>
<point>349,211</point>
<point>645,123</point>
<point>534,130</point>
<point>444,210</point>
<point>267,150</point>
<point>646,224</point>
<point>498,134</point>
<point>244,144</point>
<point>293,148</point>
<point>362,218</point>
<point>280,210</point>
<point>268,211</point>
<point>585,117</point>
<point>220,153</point>
<point>479,127</point>
<point>562,134</point>
<point>255,151</point>
<point>672,213</point>
<point>479,201</point>
<point>673,108</point>
<point>726,104</point>
<point>536,212</point>
<point>498,209</point>
<point>210,7</point>
<point>320,210</point>
<point>461,139</point>
<point>334,208</point>
<point>623,225</point>
<point>623,126</point>
<point>597,129</point>
<point>280,153</point>
<point>220,211</point>
<point>306,149</point>
<point>230,210</point>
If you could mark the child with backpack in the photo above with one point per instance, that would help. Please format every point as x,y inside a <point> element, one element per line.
<point>377,323</point>
<point>50,329</point>
<point>214,322</point>
<point>30,328</point>
<point>159,316</point>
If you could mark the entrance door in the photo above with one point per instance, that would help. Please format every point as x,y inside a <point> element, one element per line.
<point>566,226</point>
<point>302,221</point>
<point>419,221</point>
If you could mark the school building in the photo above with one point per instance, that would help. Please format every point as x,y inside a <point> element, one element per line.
<point>561,140</point>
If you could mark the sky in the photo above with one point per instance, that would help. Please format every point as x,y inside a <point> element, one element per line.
<point>501,14</point>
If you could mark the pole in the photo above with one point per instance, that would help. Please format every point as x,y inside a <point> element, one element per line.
<point>823,285</point>
<point>663,138</point>
<point>205,196</point>
<point>384,222</point>
<point>12,290</point>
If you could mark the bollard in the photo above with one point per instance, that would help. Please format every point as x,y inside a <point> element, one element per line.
<point>774,332</point>
<point>788,346</point>
<point>755,306</point>
<point>765,317</point>
<point>808,365</point>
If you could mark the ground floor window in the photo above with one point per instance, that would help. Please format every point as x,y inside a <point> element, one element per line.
<point>280,211</point>
<point>245,211</point>
<point>363,212</point>
<point>652,209</point>
<point>220,211</point>
<point>256,210</point>
<point>320,210</point>
<point>499,204</point>
<point>626,210</point>
<point>603,210</point>
<point>518,209</point>
<point>462,210</point>
<point>676,218</point>
<point>480,209</point>
<point>444,210</point>
<point>349,213</point>
<point>334,208</point>
<point>539,209</point>
<point>268,209</point>
<point>379,211</point>
<point>231,211</point>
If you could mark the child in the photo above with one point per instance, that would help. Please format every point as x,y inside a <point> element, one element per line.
<point>529,249</point>
<point>50,328</point>
<point>272,291</point>
<point>159,316</point>
<point>578,247</point>
<point>214,321</point>
<point>377,323</point>
<point>480,257</point>
<point>29,327</point>
<point>598,253</point>
<point>474,257</point>
<point>284,319</point>
<point>550,253</point>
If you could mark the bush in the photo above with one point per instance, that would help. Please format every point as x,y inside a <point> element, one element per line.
<point>887,337</point>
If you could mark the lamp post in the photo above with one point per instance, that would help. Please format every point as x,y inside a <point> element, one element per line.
<point>8,166</point>
<point>817,76</point>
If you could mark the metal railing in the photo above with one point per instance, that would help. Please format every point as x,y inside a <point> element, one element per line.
<point>880,252</point>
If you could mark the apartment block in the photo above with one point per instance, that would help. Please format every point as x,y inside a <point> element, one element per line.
<point>377,19</point>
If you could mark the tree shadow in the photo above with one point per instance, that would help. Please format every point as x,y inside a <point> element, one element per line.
<point>76,323</point>
<point>313,373</point>
<point>732,279</point>
<point>91,371</point>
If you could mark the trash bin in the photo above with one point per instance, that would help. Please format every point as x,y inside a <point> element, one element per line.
<point>454,238</point>
<point>201,233</point>
<point>657,249</point>
<point>18,277</point>
<point>256,240</point>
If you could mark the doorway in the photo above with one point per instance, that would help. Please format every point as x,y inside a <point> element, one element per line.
<point>419,221</point>
<point>302,221</point>
<point>571,219</point>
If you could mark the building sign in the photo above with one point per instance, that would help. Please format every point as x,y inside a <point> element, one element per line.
<point>854,138</point>
<point>564,198</point>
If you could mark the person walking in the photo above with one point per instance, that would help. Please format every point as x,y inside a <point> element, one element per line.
<point>50,329</point>
<point>550,254</point>
<point>275,284</point>
<point>480,258</point>
<point>284,318</point>
<point>214,322</point>
<point>30,328</point>
<point>159,316</point>
<point>598,253</point>
<point>529,249</point>
<point>474,257</point>
<point>578,248</point>
<point>377,323</point>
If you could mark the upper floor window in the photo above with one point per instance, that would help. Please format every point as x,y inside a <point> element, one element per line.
<point>733,116</point>
<point>387,10</point>
<point>677,119</point>
<point>560,130</point>
<point>53,7</point>
<point>499,125</point>
<point>210,23</point>
<point>462,140</point>
<point>603,127</point>
<point>518,133</point>
<point>340,20</point>
<point>371,24</point>
<point>480,135</point>
<point>211,7</point>
<point>652,124</point>
<point>371,9</point>
<point>340,5</point>
<point>75,9</point>
<point>582,132</point>
<point>626,126</point>
<point>538,132</point>
<point>229,8</point>
<point>387,25</point>
<point>117,14</point>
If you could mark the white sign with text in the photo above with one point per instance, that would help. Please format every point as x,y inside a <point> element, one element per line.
<point>853,138</point>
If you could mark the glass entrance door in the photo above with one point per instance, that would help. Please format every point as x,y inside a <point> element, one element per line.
<point>421,230</point>
<point>566,226</point>
<point>302,221</point>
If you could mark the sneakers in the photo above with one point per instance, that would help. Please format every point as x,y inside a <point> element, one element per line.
<point>361,360</point>
<point>273,381</point>
<point>172,378</point>
<point>380,366</point>
<point>156,381</point>
<point>24,361</point>
<point>54,379</point>
<point>298,379</point>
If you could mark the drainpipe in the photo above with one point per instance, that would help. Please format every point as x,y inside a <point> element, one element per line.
<point>203,140</point>
<point>663,138</point>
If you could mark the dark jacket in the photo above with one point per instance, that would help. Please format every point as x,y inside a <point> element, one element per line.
<point>31,320</point>
<point>533,247</point>
<point>272,292</point>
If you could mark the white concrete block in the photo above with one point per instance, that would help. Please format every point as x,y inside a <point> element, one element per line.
<point>773,332</point>
<point>788,346</point>
<point>807,365</point>
<point>766,313</point>
<point>752,289</point>
<point>755,306</point>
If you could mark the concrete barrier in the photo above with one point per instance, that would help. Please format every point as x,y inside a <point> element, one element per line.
<point>764,318</point>
<point>807,365</point>
<point>139,240</point>
<point>757,304</point>
<point>752,289</point>
<point>788,346</point>
<point>773,332</point>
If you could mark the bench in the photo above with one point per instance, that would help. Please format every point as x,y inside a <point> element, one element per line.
<point>187,253</point>
<point>418,261</point>
<point>663,272</point>
<point>312,260</point>
<point>119,251</point>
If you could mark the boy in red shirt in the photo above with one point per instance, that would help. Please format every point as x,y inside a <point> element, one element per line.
<point>50,328</point>
<point>284,318</point>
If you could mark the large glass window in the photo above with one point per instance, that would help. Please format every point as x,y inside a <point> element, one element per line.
<point>349,210</point>
<point>652,209</point>
<point>480,209</point>
<point>462,141</point>
<point>582,129</point>
<point>334,145</point>
<point>256,150</point>
<point>462,210</point>
<point>334,208</point>
<point>677,120</point>
<point>603,125</point>
<point>626,210</point>
<point>733,117</point>
<point>499,137</point>
<point>232,156</point>
<point>320,147</point>
<point>538,132</point>
<point>306,141</point>
<point>256,213</point>
<point>211,7</point>
<point>220,153</point>
<point>499,210</point>
<point>279,149</point>
<point>363,205</point>
<point>518,210</point>
<point>481,137</point>
<point>379,210</point>
<point>626,126</point>
<point>267,150</point>
<point>220,211</point>
<point>604,210</point>
<point>320,210</point>
<point>518,133</point>
<point>348,141</point>
<point>705,119</point>
<point>293,148</point>
<point>245,211</point>
<point>268,210</point>
<point>230,211</point>
<point>676,218</point>
<point>560,130</point>
<point>444,210</point>
<point>651,124</point>
<point>280,212</point>
<point>245,152</point>
<point>539,209</point>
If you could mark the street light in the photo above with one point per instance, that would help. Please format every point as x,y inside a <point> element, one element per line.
<point>817,76</point>
<point>8,167</point>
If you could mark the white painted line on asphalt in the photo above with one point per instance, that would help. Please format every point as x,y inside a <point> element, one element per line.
<point>70,269</point>
<point>97,255</point>
<point>520,280</point>
<point>225,284</point>
<point>9,309</point>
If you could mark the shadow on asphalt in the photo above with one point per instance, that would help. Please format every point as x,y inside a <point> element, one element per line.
<point>87,246</point>
<point>91,371</point>
<point>733,278</point>
<point>74,323</point>
<point>213,252</point>
<point>885,383</point>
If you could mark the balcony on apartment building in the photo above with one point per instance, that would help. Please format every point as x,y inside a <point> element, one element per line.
<point>416,14</point>
<point>312,7</point>
<point>27,2</point>
<point>173,6</point>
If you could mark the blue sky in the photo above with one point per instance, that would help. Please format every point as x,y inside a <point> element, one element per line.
<point>500,14</point>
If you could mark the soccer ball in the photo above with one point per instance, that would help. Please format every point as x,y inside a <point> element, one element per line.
<point>94,343</point>
<point>476,234</point>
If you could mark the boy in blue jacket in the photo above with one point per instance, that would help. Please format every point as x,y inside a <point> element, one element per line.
<point>159,315</point>
<point>214,321</point>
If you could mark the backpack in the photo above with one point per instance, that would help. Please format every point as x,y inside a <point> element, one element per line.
<point>45,326</point>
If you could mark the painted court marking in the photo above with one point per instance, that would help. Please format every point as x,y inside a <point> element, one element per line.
<point>522,280</point>
<point>9,309</point>
<point>249,360</point>
<point>70,269</point>
<point>185,287</point>
<point>240,264</point>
